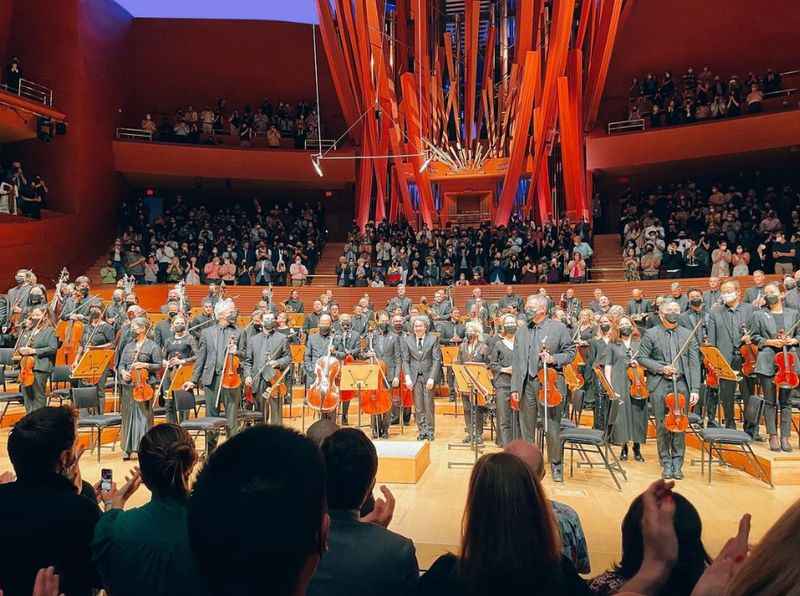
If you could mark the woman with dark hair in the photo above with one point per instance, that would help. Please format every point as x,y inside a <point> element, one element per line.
<point>692,557</point>
<point>509,541</point>
<point>145,550</point>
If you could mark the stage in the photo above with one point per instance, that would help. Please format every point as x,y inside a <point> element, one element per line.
<point>429,510</point>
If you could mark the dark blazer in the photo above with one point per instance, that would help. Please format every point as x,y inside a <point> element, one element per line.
<point>639,308</point>
<point>404,304</point>
<point>45,343</point>
<point>387,348</point>
<point>43,522</point>
<point>206,363</point>
<point>351,346</point>
<point>426,363</point>
<point>558,342</point>
<point>364,559</point>
<point>162,332</point>
<point>261,349</point>
<point>653,356</point>
<point>752,293</point>
<point>448,330</point>
<point>724,333</point>
<point>440,311</point>
<point>500,357</point>
<point>762,327</point>
<point>688,320</point>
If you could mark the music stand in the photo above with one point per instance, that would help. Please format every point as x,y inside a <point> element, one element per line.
<point>722,369</point>
<point>359,377</point>
<point>449,356</point>
<point>92,365</point>
<point>295,320</point>
<point>468,380</point>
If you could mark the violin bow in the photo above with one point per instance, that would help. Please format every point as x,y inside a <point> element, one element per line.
<point>687,342</point>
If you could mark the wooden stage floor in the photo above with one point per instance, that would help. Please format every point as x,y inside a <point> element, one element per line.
<point>430,511</point>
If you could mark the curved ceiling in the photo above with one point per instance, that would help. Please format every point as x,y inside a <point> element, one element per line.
<point>295,11</point>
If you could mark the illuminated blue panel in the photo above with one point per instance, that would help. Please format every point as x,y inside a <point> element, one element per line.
<point>296,11</point>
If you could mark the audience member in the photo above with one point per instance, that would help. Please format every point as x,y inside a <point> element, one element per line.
<point>386,562</point>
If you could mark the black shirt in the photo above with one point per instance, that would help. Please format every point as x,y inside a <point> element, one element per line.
<point>44,522</point>
<point>782,247</point>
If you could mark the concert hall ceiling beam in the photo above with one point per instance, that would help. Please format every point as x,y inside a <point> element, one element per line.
<point>608,26</point>
<point>411,113</point>
<point>472,13</point>
<point>519,139</point>
<point>336,62</point>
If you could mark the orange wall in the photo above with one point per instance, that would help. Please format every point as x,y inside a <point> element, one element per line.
<point>176,62</point>
<point>76,47</point>
<point>738,135</point>
<point>730,37</point>
<point>274,165</point>
<point>6,8</point>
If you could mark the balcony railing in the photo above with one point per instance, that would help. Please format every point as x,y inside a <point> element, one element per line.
<point>321,144</point>
<point>625,126</point>
<point>31,90</point>
<point>134,134</point>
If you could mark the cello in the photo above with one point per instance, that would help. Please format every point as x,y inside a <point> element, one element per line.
<point>26,363</point>
<point>323,393</point>
<point>377,401</point>
<point>549,395</point>
<point>69,334</point>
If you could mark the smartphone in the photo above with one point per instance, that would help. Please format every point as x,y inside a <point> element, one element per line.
<point>106,475</point>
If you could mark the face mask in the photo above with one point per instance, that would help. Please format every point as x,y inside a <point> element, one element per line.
<point>116,299</point>
<point>346,326</point>
<point>37,298</point>
<point>530,315</point>
<point>771,299</point>
<point>180,328</point>
<point>84,292</point>
<point>172,315</point>
<point>509,329</point>
<point>384,327</point>
<point>20,280</point>
<point>257,326</point>
<point>696,301</point>
<point>671,318</point>
<point>625,331</point>
<point>398,328</point>
<point>324,329</point>
<point>605,327</point>
<point>729,297</point>
<point>269,325</point>
<point>790,285</point>
<point>231,318</point>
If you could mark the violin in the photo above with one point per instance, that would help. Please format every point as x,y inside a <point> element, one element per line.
<point>140,377</point>
<point>785,377</point>
<point>712,379</point>
<point>676,419</point>
<point>573,378</point>
<point>276,388</point>
<point>323,393</point>
<point>638,380</point>
<point>749,354</point>
<point>26,377</point>
<point>377,401</point>
<point>230,372</point>
<point>549,395</point>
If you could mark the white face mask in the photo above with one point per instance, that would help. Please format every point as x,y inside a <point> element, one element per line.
<point>729,297</point>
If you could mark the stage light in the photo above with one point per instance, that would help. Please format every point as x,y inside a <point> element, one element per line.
<point>425,164</point>
<point>315,163</point>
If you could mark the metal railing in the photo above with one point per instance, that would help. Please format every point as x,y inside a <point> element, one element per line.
<point>625,125</point>
<point>134,134</point>
<point>31,90</point>
<point>781,92</point>
<point>321,144</point>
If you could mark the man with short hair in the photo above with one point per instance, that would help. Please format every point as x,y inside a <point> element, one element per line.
<point>43,520</point>
<point>312,318</point>
<point>510,298</point>
<point>386,563</point>
<point>638,308</point>
<point>783,253</point>
<point>266,357</point>
<point>347,342</point>
<point>422,363</point>
<point>755,294</point>
<point>573,540</point>
<point>280,474</point>
<point>400,301</point>
<point>711,297</point>
<point>203,320</point>
<point>293,303</point>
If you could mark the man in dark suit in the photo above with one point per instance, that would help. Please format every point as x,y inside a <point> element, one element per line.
<point>384,345</point>
<point>216,342</point>
<point>422,363</point>
<point>400,301</point>
<point>659,348</point>
<point>541,340</point>
<point>43,519</point>
<point>792,296</point>
<point>727,326</point>
<point>755,294</point>
<point>347,342</point>
<point>440,309</point>
<point>638,308</point>
<point>267,356</point>
<point>512,299</point>
<point>162,332</point>
<point>363,556</point>
<point>711,297</point>
<point>478,302</point>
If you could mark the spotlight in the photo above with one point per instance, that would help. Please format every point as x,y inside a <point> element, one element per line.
<point>425,164</point>
<point>315,163</point>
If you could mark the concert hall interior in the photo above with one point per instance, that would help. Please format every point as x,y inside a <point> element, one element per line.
<point>520,276</point>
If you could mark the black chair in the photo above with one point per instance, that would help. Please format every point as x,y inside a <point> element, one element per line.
<point>728,440</point>
<point>185,403</point>
<point>7,397</point>
<point>588,441</point>
<point>86,401</point>
<point>59,384</point>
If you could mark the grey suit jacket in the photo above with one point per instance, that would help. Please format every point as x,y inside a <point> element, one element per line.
<point>162,332</point>
<point>639,308</point>
<point>792,299</point>
<point>688,320</point>
<point>260,349</point>
<point>343,347</point>
<point>403,303</point>
<point>762,327</point>
<point>387,349</point>
<point>426,363</point>
<point>316,346</point>
<point>711,299</point>
<point>653,351</point>
<point>557,340</point>
<point>440,311</point>
<point>45,343</point>
<point>752,293</point>
<point>364,559</point>
<point>725,328</point>
<point>206,364</point>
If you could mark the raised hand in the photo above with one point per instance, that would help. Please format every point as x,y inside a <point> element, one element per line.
<point>383,511</point>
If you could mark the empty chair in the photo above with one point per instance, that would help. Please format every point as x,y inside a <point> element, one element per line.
<point>86,401</point>
<point>185,405</point>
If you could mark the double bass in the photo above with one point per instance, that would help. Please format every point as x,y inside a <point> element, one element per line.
<point>69,334</point>
<point>323,393</point>
<point>377,401</point>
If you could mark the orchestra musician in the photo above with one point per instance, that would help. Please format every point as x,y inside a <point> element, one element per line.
<point>659,347</point>
<point>386,348</point>
<point>510,299</point>
<point>203,320</point>
<point>400,301</point>
<point>18,295</point>
<point>254,328</point>
<point>162,332</point>
<point>267,356</point>
<point>712,296</point>
<point>501,358</point>
<point>359,320</point>
<point>726,330</point>
<point>293,303</point>
<point>477,304</point>
<point>422,363</point>
<point>37,339</point>
<point>346,343</point>
<point>115,313</point>
<point>630,424</point>
<point>317,345</point>
<point>179,349</point>
<point>398,330</point>
<point>638,309</point>
<point>312,318</point>
<point>76,306</point>
<point>97,335</point>
<point>217,342</point>
<point>540,340</point>
<point>772,329</point>
<point>137,416</point>
<point>440,309</point>
<point>473,349</point>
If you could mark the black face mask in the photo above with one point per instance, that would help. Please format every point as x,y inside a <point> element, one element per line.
<point>510,329</point>
<point>257,326</point>
<point>172,315</point>
<point>180,328</point>
<point>625,331</point>
<point>324,330</point>
<point>84,292</point>
<point>232,318</point>
<point>696,301</point>
<point>36,299</point>
<point>605,327</point>
<point>268,325</point>
<point>530,315</point>
<point>346,326</point>
<point>671,317</point>
<point>771,299</point>
<point>398,328</point>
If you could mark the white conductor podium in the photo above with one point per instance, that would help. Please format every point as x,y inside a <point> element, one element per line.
<point>402,462</point>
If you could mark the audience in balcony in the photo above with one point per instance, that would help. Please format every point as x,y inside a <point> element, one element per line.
<point>697,97</point>
<point>236,243</point>
<point>21,194</point>
<point>522,252</point>
<point>210,125</point>
<point>12,75</point>
<point>686,230</point>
